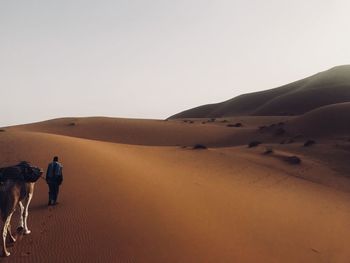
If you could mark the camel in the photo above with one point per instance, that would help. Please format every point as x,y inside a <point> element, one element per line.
<point>16,188</point>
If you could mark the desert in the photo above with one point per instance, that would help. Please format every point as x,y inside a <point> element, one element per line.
<point>270,182</point>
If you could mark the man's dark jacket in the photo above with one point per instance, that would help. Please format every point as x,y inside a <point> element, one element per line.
<point>54,173</point>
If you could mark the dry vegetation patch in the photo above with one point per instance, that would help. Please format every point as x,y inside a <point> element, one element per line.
<point>292,159</point>
<point>199,147</point>
<point>238,124</point>
<point>309,143</point>
<point>268,150</point>
<point>254,144</point>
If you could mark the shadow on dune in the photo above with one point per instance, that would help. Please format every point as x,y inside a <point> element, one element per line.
<point>38,207</point>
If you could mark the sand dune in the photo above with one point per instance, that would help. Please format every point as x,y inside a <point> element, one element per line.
<point>137,191</point>
<point>325,88</point>
<point>136,203</point>
<point>149,132</point>
<point>330,120</point>
<point>142,132</point>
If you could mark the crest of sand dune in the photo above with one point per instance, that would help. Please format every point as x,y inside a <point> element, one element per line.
<point>325,88</point>
<point>153,201</point>
<point>327,121</point>
<point>152,132</point>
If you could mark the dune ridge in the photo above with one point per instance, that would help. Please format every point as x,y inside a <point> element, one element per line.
<point>154,132</point>
<point>326,121</point>
<point>324,88</point>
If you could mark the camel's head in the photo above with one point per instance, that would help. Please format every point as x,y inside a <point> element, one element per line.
<point>31,173</point>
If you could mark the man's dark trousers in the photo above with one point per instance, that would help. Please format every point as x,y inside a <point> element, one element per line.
<point>53,191</point>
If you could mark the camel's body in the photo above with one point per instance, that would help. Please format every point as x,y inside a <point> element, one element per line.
<point>15,192</point>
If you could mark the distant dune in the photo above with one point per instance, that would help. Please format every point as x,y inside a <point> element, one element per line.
<point>328,87</point>
<point>139,132</point>
<point>329,121</point>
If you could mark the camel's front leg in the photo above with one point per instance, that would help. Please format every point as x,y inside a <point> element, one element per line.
<point>4,235</point>
<point>12,238</point>
<point>25,216</point>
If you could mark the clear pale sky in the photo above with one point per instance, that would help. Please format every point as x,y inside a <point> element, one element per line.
<point>152,59</point>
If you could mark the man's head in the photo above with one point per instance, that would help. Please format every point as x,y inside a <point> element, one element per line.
<point>55,159</point>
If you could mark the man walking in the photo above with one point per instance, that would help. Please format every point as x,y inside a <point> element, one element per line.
<point>54,178</point>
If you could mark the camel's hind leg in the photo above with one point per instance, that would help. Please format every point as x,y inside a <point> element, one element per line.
<point>21,218</point>
<point>25,213</point>
<point>4,235</point>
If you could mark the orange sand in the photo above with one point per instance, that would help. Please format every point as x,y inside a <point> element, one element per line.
<point>131,195</point>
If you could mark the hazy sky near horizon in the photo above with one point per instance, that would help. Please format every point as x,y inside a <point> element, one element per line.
<point>152,59</point>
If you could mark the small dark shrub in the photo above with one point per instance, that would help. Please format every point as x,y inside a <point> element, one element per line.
<point>309,143</point>
<point>284,113</point>
<point>2,130</point>
<point>253,144</point>
<point>292,159</point>
<point>298,136</point>
<point>224,121</point>
<point>287,141</point>
<point>72,124</point>
<point>238,124</point>
<point>290,140</point>
<point>268,150</point>
<point>262,128</point>
<point>199,147</point>
<point>280,131</point>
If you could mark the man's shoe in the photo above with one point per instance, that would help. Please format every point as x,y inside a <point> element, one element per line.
<point>49,203</point>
